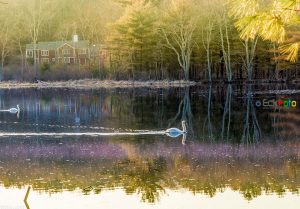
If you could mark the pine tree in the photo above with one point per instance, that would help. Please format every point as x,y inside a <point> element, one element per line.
<point>276,21</point>
<point>135,36</point>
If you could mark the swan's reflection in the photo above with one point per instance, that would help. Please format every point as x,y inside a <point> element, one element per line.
<point>183,141</point>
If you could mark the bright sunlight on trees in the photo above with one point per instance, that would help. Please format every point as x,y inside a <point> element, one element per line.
<point>276,21</point>
<point>179,30</point>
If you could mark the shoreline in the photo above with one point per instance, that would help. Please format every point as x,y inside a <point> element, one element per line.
<point>111,84</point>
<point>96,84</point>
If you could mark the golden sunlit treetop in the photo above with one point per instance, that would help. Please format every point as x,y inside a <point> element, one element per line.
<point>273,20</point>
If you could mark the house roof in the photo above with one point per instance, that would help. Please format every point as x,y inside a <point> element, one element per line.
<point>56,44</point>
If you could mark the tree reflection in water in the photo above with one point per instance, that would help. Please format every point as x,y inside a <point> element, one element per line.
<point>145,179</point>
<point>227,114</point>
<point>208,120</point>
<point>185,111</point>
<point>150,165</point>
<point>286,123</point>
<point>251,131</point>
<point>149,169</point>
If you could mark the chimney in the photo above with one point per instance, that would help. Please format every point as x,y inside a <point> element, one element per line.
<point>75,38</point>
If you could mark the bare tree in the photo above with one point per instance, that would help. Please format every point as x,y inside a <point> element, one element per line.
<point>206,40</point>
<point>250,48</point>
<point>207,26</point>
<point>36,12</point>
<point>20,39</point>
<point>226,48</point>
<point>5,41</point>
<point>178,31</point>
<point>221,15</point>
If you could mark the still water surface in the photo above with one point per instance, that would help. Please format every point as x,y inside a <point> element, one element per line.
<point>235,153</point>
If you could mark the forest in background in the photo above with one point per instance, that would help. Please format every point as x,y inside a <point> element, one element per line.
<point>158,39</point>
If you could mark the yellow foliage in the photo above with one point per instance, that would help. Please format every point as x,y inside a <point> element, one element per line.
<point>291,51</point>
<point>270,20</point>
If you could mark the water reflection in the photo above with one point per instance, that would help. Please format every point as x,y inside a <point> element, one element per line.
<point>149,169</point>
<point>212,113</point>
<point>185,111</point>
<point>285,123</point>
<point>231,144</point>
<point>227,114</point>
<point>251,130</point>
<point>174,199</point>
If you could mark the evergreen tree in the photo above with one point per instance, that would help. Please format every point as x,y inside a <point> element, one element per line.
<point>135,36</point>
<point>276,21</point>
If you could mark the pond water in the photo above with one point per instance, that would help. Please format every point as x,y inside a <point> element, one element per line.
<point>88,148</point>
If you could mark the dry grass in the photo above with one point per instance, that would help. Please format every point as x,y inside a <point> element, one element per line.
<point>92,83</point>
<point>16,85</point>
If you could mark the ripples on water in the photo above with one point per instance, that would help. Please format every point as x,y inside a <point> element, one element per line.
<point>231,143</point>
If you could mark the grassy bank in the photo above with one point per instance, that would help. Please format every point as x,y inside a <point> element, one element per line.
<point>95,83</point>
<point>91,83</point>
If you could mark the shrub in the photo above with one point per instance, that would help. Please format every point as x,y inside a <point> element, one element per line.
<point>45,67</point>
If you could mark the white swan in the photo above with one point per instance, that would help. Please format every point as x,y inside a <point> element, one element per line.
<point>175,132</point>
<point>12,110</point>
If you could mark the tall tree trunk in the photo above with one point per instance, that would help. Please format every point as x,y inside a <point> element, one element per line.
<point>1,69</point>
<point>249,56</point>
<point>277,66</point>
<point>206,44</point>
<point>3,56</point>
<point>180,41</point>
<point>226,50</point>
<point>22,59</point>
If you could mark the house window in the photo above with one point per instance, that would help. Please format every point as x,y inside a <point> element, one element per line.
<point>45,52</point>
<point>66,59</point>
<point>29,53</point>
<point>66,51</point>
<point>53,59</point>
<point>82,51</point>
<point>45,60</point>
